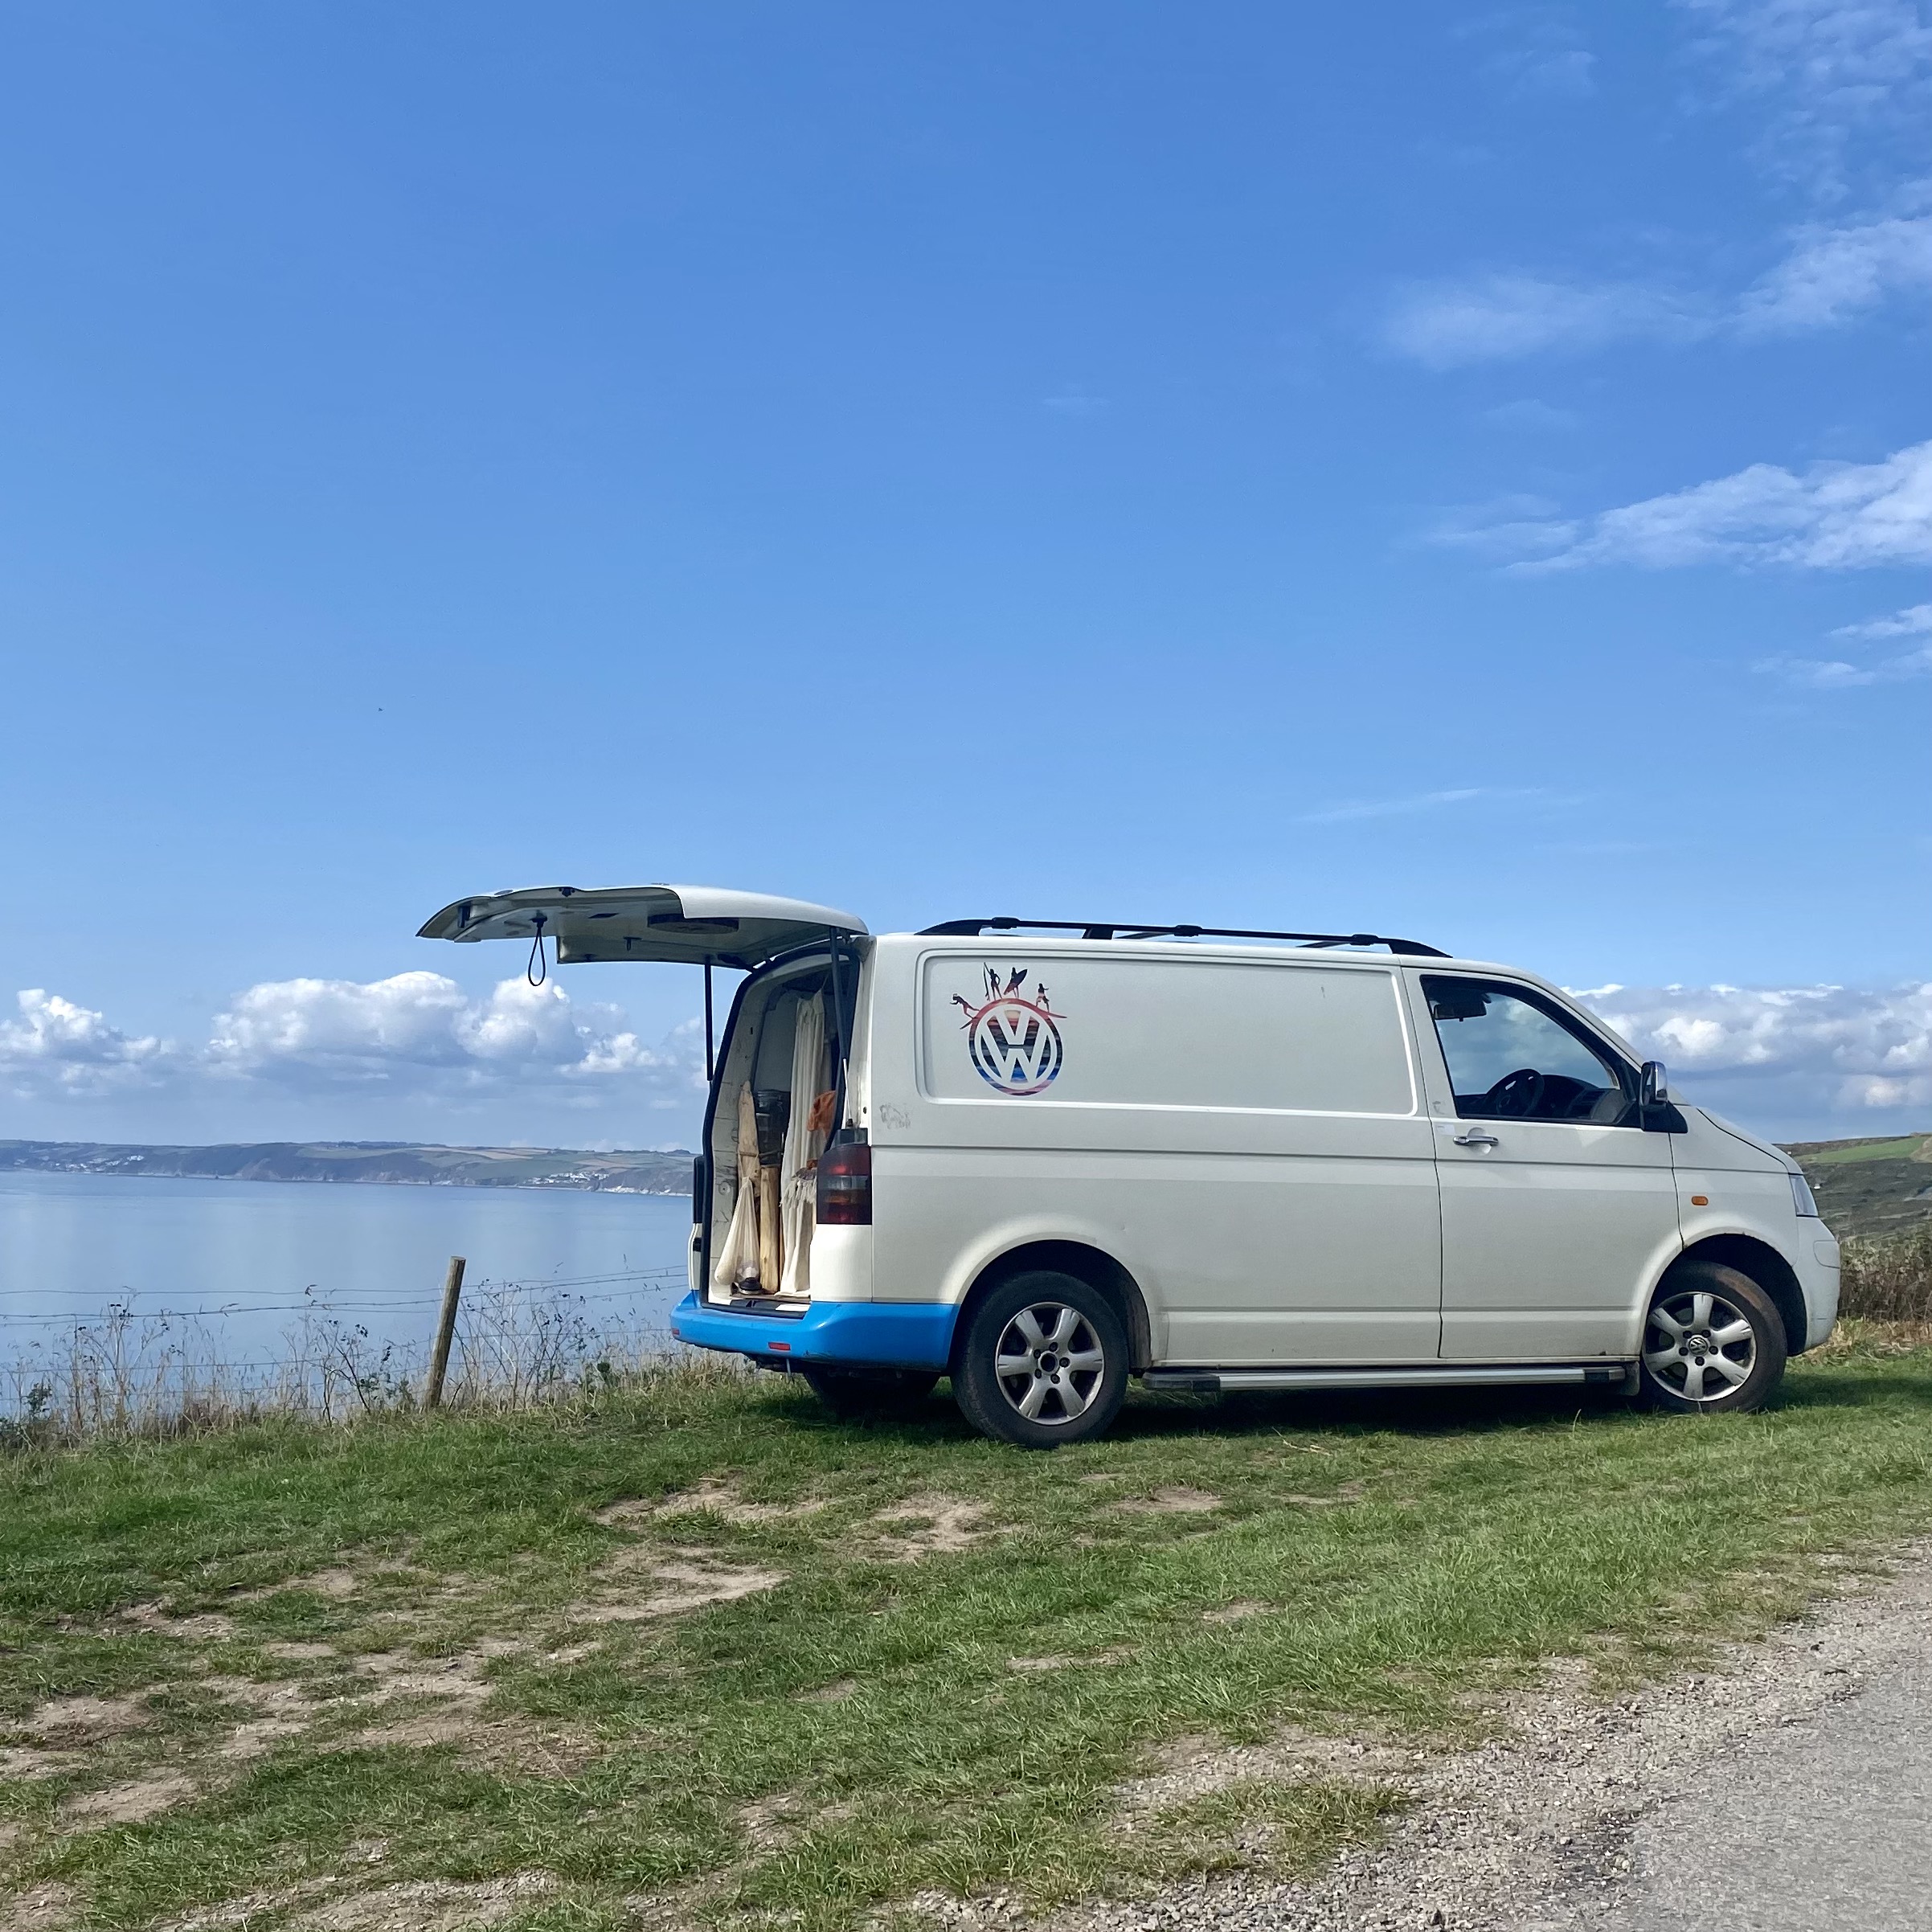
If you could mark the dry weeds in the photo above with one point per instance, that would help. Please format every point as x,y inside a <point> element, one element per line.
<point>205,1627</point>
<point>935,1525</point>
<point>1178,1501</point>
<point>1239,1611</point>
<point>687,1580</point>
<point>49,1908</point>
<point>132,1803</point>
<point>711,1496</point>
<point>1347,1492</point>
<point>1115,1653</point>
<point>75,1721</point>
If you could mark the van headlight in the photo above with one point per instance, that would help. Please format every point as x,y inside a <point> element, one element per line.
<point>1801,1195</point>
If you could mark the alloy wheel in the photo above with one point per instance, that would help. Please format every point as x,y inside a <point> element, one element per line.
<point>1050,1362</point>
<point>1699,1346</point>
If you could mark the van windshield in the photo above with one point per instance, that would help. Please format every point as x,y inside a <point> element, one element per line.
<point>1510,1057</point>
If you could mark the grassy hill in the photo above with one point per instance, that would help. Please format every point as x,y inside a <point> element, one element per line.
<point>1870,1188</point>
<point>398,1163</point>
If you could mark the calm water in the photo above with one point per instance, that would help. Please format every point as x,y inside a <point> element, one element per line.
<point>240,1254</point>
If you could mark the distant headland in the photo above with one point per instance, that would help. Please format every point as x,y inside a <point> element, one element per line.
<point>394,1162</point>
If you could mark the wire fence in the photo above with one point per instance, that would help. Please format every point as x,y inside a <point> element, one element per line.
<point>130,1371</point>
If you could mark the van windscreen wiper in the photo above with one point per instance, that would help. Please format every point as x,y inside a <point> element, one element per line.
<point>1116,929</point>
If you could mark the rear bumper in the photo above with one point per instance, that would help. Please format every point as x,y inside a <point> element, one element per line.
<point>874,1334</point>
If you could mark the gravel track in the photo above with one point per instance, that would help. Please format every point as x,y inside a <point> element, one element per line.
<point>1788,1787</point>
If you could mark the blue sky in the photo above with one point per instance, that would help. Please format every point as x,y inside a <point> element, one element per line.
<point>1465,472</point>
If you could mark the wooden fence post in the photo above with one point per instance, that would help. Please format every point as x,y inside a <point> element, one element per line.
<point>446,1330</point>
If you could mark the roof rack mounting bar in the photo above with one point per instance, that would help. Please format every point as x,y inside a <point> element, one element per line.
<point>1123,929</point>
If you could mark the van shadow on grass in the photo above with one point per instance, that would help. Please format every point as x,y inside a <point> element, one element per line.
<point>1818,1381</point>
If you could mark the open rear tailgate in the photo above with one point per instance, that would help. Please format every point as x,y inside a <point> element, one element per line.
<point>688,924</point>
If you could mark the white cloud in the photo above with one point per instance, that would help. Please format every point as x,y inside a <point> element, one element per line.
<point>1399,808</point>
<point>1488,318</point>
<point>1830,276</point>
<point>1820,1049</point>
<point>417,1034</point>
<point>1538,54</point>
<point>1835,516</point>
<point>1834,76</point>
<point>1074,401</point>
<point>1839,71</point>
<point>1833,274</point>
<point>1532,414</point>
<point>57,1047</point>
<point>1835,673</point>
<point>1914,622</point>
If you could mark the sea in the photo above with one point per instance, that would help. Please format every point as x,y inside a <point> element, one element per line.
<point>244,1263</point>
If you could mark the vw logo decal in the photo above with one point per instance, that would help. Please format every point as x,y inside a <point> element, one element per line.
<point>1012,1037</point>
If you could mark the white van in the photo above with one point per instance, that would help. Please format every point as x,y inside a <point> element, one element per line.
<point>1041,1157</point>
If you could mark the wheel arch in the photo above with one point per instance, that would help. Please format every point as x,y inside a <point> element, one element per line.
<point>1093,1265</point>
<point>1770,1271</point>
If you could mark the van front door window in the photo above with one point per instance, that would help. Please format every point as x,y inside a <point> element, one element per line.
<point>1509,1059</point>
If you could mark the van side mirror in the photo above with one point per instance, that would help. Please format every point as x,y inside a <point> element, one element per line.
<point>1657,1112</point>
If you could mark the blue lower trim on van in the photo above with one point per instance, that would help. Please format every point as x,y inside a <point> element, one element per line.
<point>880,1334</point>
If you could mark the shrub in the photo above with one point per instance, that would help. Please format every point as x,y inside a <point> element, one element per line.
<point>1889,1279</point>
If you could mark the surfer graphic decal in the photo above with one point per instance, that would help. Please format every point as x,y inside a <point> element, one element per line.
<point>1013,1035</point>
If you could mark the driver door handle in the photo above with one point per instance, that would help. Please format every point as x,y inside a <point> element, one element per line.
<point>1478,1139</point>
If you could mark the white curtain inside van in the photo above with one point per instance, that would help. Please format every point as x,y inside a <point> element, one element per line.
<point>736,1261</point>
<point>803,1145</point>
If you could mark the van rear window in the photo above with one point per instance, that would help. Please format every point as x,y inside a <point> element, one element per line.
<point>1125,1031</point>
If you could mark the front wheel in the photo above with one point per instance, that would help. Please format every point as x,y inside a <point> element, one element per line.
<point>1043,1362</point>
<point>1713,1342</point>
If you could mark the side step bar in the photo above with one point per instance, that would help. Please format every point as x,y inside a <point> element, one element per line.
<point>1229,1381</point>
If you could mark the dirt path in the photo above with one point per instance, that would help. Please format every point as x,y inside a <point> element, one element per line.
<point>1790,1789</point>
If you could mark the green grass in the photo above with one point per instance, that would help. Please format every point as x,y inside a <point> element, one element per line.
<point>1900,1148</point>
<point>828,1748</point>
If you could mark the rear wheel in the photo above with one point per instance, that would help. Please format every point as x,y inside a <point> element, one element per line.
<point>1043,1362</point>
<point>852,1393</point>
<point>1713,1342</point>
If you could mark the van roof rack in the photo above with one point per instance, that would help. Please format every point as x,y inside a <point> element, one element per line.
<point>1121,929</point>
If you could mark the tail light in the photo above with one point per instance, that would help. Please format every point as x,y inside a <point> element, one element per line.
<point>844,1186</point>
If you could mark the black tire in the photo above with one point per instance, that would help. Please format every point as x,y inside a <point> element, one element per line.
<point>1074,1344</point>
<point>850,1393</point>
<point>1688,1366</point>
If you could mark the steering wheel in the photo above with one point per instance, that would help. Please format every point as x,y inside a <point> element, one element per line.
<point>1516,1096</point>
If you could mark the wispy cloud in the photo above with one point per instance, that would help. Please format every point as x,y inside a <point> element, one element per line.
<point>1529,413</point>
<point>1832,516</point>
<point>1837,673</point>
<point>1412,803</point>
<point>416,1034</point>
<point>1501,317</point>
<point>1074,401</point>
<point>1833,275</point>
<point>1536,54</point>
<point>1831,77</point>
<point>1834,72</point>
<point>1915,621</point>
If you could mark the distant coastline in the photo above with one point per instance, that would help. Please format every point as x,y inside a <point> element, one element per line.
<point>383,1163</point>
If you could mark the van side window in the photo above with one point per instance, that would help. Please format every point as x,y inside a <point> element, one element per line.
<point>1511,1057</point>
